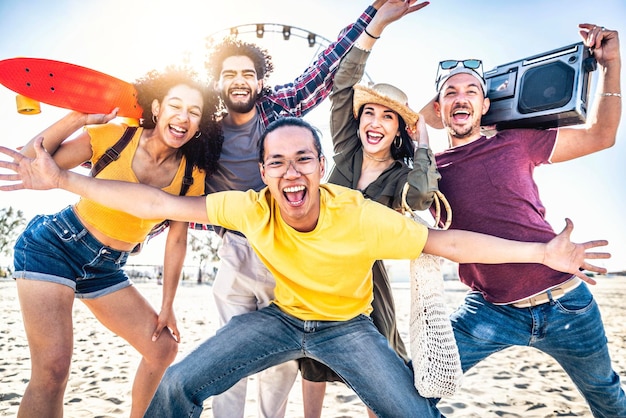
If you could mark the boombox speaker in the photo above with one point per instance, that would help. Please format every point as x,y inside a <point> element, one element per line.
<point>543,91</point>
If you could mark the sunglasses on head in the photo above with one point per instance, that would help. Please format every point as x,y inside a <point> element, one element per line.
<point>447,66</point>
<point>452,64</point>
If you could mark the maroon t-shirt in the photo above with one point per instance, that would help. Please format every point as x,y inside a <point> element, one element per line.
<point>489,184</point>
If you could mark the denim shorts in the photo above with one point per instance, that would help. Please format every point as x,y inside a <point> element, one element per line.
<point>57,248</point>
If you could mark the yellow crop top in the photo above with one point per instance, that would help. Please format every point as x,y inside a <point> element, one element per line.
<point>113,223</point>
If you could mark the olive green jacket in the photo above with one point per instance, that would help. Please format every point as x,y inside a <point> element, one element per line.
<point>423,177</point>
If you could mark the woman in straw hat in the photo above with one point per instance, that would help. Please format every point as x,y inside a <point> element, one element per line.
<point>380,144</point>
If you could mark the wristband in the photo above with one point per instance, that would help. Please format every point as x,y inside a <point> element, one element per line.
<point>370,35</point>
<point>610,94</point>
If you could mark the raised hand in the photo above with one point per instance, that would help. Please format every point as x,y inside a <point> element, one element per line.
<point>393,10</point>
<point>100,118</point>
<point>419,133</point>
<point>563,255</point>
<point>603,42</point>
<point>40,173</point>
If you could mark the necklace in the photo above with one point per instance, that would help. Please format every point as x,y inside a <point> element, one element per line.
<point>380,160</point>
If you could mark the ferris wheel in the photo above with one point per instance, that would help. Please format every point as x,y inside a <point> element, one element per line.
<point>273,32</point>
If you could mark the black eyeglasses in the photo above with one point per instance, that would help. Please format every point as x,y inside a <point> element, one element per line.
<point>447,66</point>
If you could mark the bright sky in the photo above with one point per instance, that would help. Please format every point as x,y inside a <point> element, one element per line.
<point>128,38</point>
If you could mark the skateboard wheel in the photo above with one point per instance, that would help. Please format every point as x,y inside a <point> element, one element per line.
<point>27,106</point>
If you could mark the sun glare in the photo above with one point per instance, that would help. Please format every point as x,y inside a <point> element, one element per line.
<point>165,35</point>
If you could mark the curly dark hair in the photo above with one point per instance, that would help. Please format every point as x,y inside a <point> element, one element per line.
<point>405,152</point>
<point>230,46</point>
<point>202,152</point>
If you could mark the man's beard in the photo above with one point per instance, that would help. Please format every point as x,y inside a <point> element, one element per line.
<point>240,107</point>
<point>460,133</point>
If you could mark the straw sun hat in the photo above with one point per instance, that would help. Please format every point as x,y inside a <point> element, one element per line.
<point>385,95</point>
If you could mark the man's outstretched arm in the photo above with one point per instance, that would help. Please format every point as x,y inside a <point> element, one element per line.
<point>42,173</point>
<point>559,254</point>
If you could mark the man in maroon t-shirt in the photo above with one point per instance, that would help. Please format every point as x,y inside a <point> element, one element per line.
<point>489,183</point>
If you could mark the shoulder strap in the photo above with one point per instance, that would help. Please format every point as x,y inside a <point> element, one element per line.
<point>187,179</point>
<point>184,188</point>
<point>113,153</point>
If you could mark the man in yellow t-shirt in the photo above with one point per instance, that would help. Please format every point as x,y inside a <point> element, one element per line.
<point>320,242</point>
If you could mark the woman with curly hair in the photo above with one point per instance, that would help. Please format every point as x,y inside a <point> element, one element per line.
<point>79,252</point>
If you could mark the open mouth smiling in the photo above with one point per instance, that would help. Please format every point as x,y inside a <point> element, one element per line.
<point>461,114</point>
<point>374,137</point>
<point>177,131</point>
<point>239,93</point>
<point>295,195</point>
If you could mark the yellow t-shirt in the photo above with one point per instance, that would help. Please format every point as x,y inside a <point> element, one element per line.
<point>325,274</point>
<point>114,223</point>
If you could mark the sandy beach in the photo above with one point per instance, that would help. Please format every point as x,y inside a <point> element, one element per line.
<point>519,382</point>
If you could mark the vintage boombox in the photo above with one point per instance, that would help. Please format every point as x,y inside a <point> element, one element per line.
<point>543,91</point>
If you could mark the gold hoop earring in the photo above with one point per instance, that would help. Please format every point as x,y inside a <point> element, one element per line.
<point>154,118</point>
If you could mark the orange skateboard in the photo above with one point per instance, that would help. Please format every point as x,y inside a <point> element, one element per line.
<point>69,86</point>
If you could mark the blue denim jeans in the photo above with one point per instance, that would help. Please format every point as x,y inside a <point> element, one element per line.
<point>243,284</point>
<point>569,329</point>
<point>257,340</point>
<point>57,248</point>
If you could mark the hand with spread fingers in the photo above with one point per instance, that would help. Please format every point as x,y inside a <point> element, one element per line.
<point>40,173</point>
<point>576,264</point>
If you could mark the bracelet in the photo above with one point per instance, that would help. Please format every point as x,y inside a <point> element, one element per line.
<point>610,94</point>
<point>370,35</point>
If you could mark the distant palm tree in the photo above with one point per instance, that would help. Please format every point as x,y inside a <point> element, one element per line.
<point>204,245</point>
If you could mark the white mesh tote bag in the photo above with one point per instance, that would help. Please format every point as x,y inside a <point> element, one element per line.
<point>434,353</point>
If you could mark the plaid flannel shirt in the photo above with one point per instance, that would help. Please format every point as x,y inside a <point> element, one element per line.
<point>315,84</point>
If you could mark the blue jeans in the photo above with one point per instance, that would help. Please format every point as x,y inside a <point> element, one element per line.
<point>569,329</point>
<point>57,248</point>
<point>243,284</point>
<point>257,340</point>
